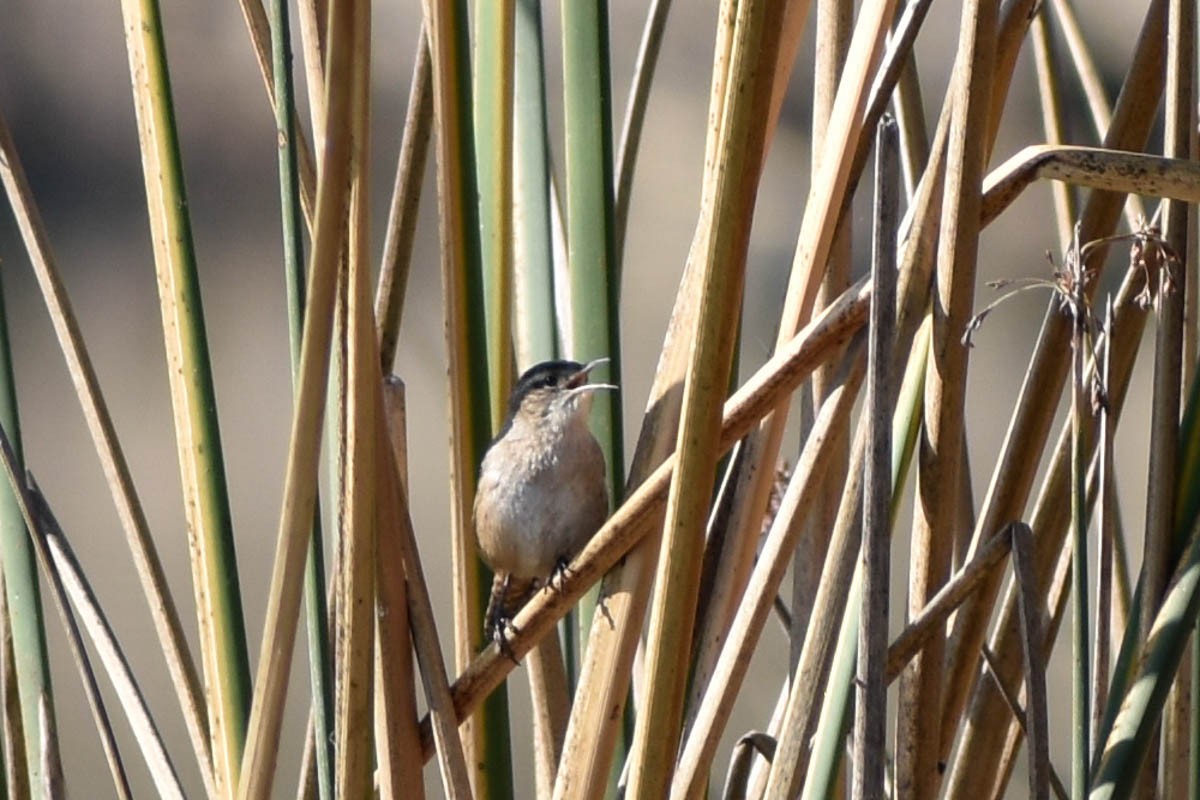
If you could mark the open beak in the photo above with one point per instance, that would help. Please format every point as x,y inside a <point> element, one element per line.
<point>577,383</point>
<point>579,379</point>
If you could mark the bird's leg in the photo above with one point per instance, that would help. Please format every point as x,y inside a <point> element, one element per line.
<point>496,603</point>
<point>497,622</point>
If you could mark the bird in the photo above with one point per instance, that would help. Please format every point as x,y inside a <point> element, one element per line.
<point>542,491</point>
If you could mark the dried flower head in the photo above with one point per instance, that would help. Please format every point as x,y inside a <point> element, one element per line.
<point>1069,287</point>
<point>1152,256</point>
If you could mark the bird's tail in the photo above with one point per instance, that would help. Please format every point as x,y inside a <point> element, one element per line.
<point>509,595</point>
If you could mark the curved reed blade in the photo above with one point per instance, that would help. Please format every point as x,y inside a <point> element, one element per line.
<point>737,779</point>
<point>1094,167</point>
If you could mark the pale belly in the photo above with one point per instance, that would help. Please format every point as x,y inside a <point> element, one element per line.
<point>537,518</point>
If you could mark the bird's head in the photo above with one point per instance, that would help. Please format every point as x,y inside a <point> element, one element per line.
<point>554,388</point>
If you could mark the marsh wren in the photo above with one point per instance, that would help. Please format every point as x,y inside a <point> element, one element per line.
<point>542,489</point>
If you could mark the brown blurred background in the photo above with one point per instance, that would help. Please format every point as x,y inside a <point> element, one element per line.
<point>64,90</point>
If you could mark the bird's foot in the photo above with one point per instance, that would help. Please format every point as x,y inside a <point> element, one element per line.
<point>500,628</point>
<point>559,575</point>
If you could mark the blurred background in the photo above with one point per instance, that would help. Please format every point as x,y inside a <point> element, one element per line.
<point>64,89</point>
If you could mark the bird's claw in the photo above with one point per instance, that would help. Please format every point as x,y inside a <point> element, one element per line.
<point>558,576</point>
<point>500,628</point>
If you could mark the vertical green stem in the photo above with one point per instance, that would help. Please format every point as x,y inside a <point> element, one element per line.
<point>533,278</point>
<point>316,611</point>
<point>590,241</point>
<point>590,246</point>
<point>21,581</point>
